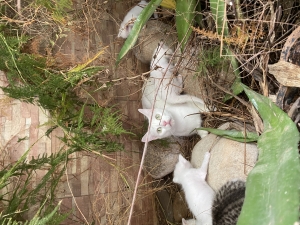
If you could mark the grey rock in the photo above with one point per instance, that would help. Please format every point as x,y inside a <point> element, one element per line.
<point>229,159</point>
<point>166,204</point>
<point>161,160</point>
<point>150,36</point>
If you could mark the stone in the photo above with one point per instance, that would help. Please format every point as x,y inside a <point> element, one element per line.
<point>161,160</point>
<point>229,159</point>
<point>150,36</point>
<point>164,199</point>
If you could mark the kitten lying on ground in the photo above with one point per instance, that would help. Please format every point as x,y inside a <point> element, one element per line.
<point>129,19</point>
<point>173,114</point>
<point>199,195</point>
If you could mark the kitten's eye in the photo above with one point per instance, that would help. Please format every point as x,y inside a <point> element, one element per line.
<point>159,130</point>
<point>157,116</point>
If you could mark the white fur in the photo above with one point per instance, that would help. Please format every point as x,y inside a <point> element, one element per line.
<point>168,84</point>
<point>174,119</point>
<point>179,115</point>
<point>130,18</point>
<point>199,195</point>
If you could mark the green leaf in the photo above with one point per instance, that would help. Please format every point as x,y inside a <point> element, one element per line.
<point>272,188</point>
<point>185,14</point>
<point>80,118</point>
<point>218,9</point>
<point>236,88</point>
<point>233,134</point>
<point>138,25</point>
<point>199,17</point>
<point>12,170</point>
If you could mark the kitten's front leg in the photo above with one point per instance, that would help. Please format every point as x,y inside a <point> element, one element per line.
<point>204,166</point>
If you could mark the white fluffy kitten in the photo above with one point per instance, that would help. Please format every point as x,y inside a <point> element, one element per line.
<point>129,19</point>
<point>199,195</point>
<point>175,119</point>
<point>174,114</point>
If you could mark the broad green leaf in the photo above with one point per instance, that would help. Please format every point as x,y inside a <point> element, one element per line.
<point>138,25</point>
<point>198,16</point>
<point>218,9</point>
<point>272,188</point>
<point>185,14</point>
<point>233,134</point>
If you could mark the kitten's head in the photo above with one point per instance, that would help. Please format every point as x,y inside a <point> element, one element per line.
<point>181,167</point>
<point>161,125</point>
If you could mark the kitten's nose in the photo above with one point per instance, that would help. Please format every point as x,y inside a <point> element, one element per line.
<point>165,123</point>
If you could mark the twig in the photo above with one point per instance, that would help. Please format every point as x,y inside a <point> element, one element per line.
<point>230,93</point>
<point>19,6</point>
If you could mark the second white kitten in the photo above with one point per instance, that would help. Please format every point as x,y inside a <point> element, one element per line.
<point>199,195</point>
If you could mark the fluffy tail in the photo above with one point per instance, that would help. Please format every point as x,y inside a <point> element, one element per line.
<point>228,203</point>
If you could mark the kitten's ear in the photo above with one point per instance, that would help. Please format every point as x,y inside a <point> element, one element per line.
<point>145,112</point>
<point>150,137</point>
<point>181,159</point>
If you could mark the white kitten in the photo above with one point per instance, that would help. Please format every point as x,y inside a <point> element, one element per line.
<point>199,195</point>
<point>168,84</point>
<point>129,19</point>
<point>174,119</point>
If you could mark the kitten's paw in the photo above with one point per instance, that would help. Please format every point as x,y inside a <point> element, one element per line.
<point>202,133</point>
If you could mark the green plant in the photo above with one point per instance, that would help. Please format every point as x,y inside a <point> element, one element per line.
<point>209,60</point>
<point>57,9</point>
<point>272,188</point>
<point>50,218</point>
<point>30,80</point>
<point>185,14</point>
<point>86,126</point>
<point>17,178</point>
